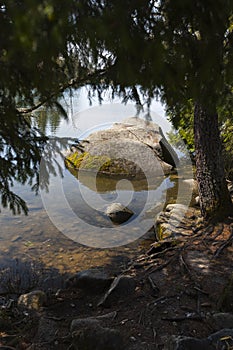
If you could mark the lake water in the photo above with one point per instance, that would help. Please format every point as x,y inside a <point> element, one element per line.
<point>66,229</point>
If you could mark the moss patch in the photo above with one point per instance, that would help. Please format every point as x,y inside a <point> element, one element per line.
<point>104,164</point>
<point>85,160</point>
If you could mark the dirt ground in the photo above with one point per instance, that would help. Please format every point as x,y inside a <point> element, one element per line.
<point>178,287</point>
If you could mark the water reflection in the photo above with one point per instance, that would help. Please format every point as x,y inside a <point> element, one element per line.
<point>36,238</point>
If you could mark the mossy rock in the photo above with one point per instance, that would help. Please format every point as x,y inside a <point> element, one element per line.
<point>134,148</point>
<point>163,231</point>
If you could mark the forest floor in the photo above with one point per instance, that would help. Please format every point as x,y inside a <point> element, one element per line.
<point>178,287</point>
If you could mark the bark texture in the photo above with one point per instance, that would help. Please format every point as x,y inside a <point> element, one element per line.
<point>215,199</point>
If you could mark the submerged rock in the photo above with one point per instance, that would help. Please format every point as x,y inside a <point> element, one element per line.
<point>133,148</point>
<point>118,213</point>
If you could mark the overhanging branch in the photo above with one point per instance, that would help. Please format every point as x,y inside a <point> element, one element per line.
<point>77,82</point>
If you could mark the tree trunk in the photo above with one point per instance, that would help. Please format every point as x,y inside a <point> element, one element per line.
<point>215,199</point>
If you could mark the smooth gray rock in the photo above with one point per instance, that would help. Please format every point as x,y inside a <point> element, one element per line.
<point>121,287</point>
<point>33,300</point>
<point>134,147</point>
<point>93,281</point>
<point>88,334</point>
<point>118,213</point>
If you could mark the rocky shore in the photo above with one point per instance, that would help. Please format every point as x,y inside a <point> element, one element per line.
<point>178,295</point>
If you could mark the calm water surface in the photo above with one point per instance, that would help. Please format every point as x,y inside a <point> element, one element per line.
<point>36,238</point>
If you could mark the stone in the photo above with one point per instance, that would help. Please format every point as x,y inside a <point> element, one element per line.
<point>134,147</point>
<point>33,300</point>
<point>16,238</point>
<point>197,200</point>
<point>46,331</point>
<point>169,222</point>
<point>118,213</point>
<point>92,281</point>
<point>225,301</point>
<point>177,207</point>
<point>80,323</point>
<point>222,339</point>
<point>92,336</point>
<point>230,187</point>
<point>121,287</point>
<point>188,343</point>
<point>221,320</point>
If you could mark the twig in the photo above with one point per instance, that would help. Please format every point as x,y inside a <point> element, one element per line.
<point>162,299</point>
<point>198,303</point>
<point>154,333</point>
<point>140,317</point>
<point>153,285</point>
<point>160,267</point>
<point>159,254</point>
<point>70,347</point>
<point>224,245</point>
<point>111,315</point>
<point>55,318</point>
<point>183,318</point>
<point>186,267</point>
<point>218,232</point>
<point>201,290</point>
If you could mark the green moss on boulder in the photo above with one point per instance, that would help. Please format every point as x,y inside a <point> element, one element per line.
<point>86,161</point>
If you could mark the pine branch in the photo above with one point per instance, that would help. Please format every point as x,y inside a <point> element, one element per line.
<point>76,82</point>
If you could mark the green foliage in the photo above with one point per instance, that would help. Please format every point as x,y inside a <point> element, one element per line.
<point>34,67</point>
<point>182,134</point>
<point>178,50</point>
<point>227,138</point>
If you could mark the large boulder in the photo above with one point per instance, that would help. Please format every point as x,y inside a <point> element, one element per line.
<point>133,148</point>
